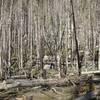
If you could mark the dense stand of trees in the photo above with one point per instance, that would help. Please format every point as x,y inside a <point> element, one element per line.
<point>65,30</point>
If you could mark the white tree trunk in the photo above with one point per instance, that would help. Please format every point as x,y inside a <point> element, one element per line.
<point>30,36</point>
<point>1,40</point>
<point>21,34</point>
<point>0,58</point>
<point>9,37</point>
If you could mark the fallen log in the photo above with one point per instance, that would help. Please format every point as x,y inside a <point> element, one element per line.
<point>91,72</point>
<point>25,98</point>
<point>14,83</point>
<point>30,83</point>
<point>19,77</point>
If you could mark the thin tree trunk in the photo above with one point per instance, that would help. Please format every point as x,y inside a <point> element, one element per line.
<point>21,34</point>
<point>9,46</point>
<point>76,41</point>
<point>1,69</point>
<point>0,59</point>
<point>30,32</point>
<point>99,54</point>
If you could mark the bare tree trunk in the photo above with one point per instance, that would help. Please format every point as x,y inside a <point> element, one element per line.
<point>20,36</point>
<point>21,30</point>
<point>99,54</point>
<point>1,69</point>
<point>98,29</point>
<point>30,36</point>
<point>38,36</point>
<point>76,41</point>
<point>3,17</point>
<point>0,59</point>
<point>9,39</point>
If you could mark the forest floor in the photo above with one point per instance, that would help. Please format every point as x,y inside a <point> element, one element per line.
<point>38,93</point>
<point>56,93</point>
<point>46,93</point>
